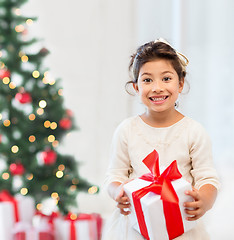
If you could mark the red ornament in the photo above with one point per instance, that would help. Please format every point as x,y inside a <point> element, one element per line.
<point>65,123</point>
<point>49,157</point>
<point>4,73</point>
<point>44,52</point>
<point>24,97</point>
<point>17,169</point>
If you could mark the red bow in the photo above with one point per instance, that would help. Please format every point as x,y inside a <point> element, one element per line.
<point>5,196</point>
<point>50,217</point>
<point>81,217</point>
<point>161,185</point>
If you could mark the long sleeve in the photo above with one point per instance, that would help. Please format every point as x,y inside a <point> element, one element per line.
<point>119,158</point>
<point>203,170</point>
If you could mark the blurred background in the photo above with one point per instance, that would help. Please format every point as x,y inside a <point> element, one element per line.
<point>90,44</point>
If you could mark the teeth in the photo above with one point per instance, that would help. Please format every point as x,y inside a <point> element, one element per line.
<point>158,99</point>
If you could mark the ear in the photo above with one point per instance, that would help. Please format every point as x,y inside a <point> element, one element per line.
<point>135,86</point>
<point>181,85</point>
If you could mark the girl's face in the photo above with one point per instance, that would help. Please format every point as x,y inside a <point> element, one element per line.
<point>158,85</point>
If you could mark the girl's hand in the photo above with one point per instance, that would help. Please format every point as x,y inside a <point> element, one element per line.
<point>203,201</point>
<point>123,202</point>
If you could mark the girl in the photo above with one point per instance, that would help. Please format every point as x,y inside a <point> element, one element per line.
<point>158,78</point>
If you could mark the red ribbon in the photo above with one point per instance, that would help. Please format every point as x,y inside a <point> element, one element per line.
<point>5,196</point>
<point>81,217</point>
<point>72,226</point>
<point>50,218</point>
<point>161,185</point>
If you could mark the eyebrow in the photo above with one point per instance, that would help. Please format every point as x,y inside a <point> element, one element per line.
<point>146,73</point>
<point>167,72</point>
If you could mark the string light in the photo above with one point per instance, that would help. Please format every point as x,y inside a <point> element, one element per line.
<point>12,85</point>
<point>53,125</point>
<point>75,181</point>
<point>32,138</point>
<point>51,138</point>
<point>39,206</point>
<point>21,54</point>
<point>24,191</point>
<point>17,12</point>
<point>7,123</point>
<point>59,174</point>
<point>40,111</point>
<point>32,117</point>
<point>60,92</point>
<point>54,195</point>
<point>47,124</point>
<point>19,28</point>
<point>42,104</point>
<point>52,82</point>
<point>30,177</point>
<point>44,188</point>
<point>14,149</point>
<point>72,188</point>
<point>92,190</point>
<point>24,58</point>
<point>61,167</point>
<point>45,80</point>
<point>36,74</point>
<point>5,176</point>
<point>29,21</point>
<point>55,143</point>
<point>6,80</point>
<point>73,216</point>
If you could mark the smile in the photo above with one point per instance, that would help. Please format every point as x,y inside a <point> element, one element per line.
<point>158,99</point>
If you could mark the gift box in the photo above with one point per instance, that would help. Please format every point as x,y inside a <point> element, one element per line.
<point>13,210</point>
<point>44,225</point>
<point>22,231</point>
<point>83,227</point>
<point>7,220</point>
<point>25,231</point>
<point>41,219</point>
<point>26,208</point>
<point>157,201</point>
<point>43,231</point>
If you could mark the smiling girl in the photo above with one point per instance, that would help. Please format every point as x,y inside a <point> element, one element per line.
<point>158,78</point>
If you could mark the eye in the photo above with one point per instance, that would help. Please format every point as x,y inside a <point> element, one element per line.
<point>166,79</point>
<point>147,80</point>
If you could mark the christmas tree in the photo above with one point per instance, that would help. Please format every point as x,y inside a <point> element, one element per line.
<point>33,119</point>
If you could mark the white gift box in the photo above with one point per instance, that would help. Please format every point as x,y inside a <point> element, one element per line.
<point>7,220</point>
<point>152,207</point>
<point>25,206</point>
<point>25,231</point>
<point>85,229</point>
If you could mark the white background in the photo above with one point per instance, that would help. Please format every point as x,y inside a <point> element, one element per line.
<point>90,44</point>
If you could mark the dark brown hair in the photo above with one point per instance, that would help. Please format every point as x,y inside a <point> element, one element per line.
<point>152,51</point>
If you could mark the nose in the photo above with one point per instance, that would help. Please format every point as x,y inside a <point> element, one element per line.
<point>157,86</point>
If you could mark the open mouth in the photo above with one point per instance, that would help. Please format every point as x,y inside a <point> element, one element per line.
<point>158,99</point>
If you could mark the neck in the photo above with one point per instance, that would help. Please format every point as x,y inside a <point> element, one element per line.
<point>162,119</point>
